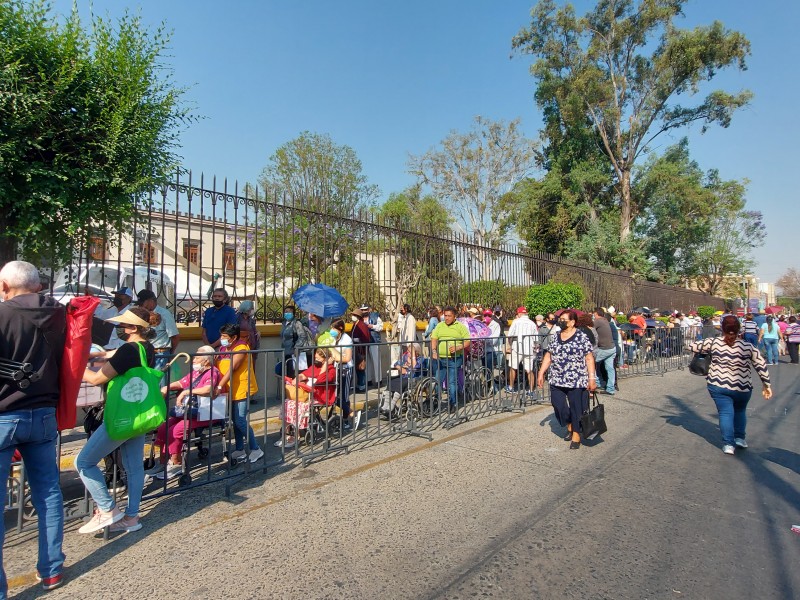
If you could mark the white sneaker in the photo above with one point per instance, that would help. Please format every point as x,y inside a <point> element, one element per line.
<point>357,419</point>
<point>155,470</point>
<point>256,455</point>
<point>237,455</point>
<point>170,472</point>
<point>728,449</point>
<point>101,520</point>
<point>740,443</point>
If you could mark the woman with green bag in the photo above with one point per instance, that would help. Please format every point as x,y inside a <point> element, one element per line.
<point>137,352</point>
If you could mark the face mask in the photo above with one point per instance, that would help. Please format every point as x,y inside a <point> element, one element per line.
<point>354,319</point>
<point>318,363</point>
<point>562,324</point>
<point>487,320</point>
<point>117,302</point>
<point>218,303</point>
<point>197,368</point>
<point>334,333</point>
<point>224,343</point>
<point>288,316</point>
<point>122,334</point>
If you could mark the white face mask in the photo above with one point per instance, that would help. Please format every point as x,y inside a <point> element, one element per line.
<point>354,319</point>
<point>197,367</point>
<point>224,342</point>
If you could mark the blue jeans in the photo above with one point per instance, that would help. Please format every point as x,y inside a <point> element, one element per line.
<point>771,349</point>
<point>752,338</point>
<point>607,357</point>
<point>34,433</point>
<point>732,409</point>
<point>100,445</point>
<point>449,369</point>
<point>241,427</point>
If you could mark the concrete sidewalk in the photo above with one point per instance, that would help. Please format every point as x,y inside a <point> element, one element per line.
<point>498,507</point>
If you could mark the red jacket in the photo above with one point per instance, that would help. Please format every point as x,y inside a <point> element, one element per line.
<point>324,388</point>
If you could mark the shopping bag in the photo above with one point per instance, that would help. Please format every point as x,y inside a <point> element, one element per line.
<point>593,421</point>
<point>134,404</point>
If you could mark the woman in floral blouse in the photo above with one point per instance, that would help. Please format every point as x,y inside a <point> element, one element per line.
<point>571,363</point>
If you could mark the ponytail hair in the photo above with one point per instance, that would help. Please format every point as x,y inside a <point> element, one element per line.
<point>730,325</point>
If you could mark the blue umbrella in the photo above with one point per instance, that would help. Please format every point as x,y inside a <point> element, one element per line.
<point>320,299</point>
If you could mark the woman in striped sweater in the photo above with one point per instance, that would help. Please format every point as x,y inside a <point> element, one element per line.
<point>730,381</point>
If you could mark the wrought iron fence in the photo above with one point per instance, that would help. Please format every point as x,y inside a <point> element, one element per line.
<point>193,236</point>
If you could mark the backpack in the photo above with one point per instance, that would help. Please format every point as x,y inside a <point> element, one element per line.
<point>304,338</point>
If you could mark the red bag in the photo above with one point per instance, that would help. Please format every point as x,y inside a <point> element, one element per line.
<point>76,354</point>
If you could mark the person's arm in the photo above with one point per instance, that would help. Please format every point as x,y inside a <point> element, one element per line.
<point>590,369</point>
<point>760,333</point>
<point>760,366</point>
<point>104,375</point>
<point>237,358</point>
<point>543,369</point>
<point>435,348</point>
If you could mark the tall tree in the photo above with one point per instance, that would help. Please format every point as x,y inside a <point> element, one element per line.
<point>679,205</point>
<point>90,119</point>
<point>734,233</point>
<point>789,282</point>
<point>471,172</point>
<point>605,68</point>
<point>421,258</point>
<point>314,187</point>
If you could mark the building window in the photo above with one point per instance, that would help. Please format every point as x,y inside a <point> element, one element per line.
<point>147,252</point>
<point>191,252</point>
<point>98,249</point>
<point>229,258</point>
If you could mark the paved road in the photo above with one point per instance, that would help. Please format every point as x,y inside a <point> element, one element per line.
<point>497,507</point>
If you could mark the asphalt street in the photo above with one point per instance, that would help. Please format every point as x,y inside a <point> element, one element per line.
<point>495,508</point>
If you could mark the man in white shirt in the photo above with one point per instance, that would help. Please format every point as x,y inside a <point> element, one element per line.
<point>123,300</point>
<point>406,331</point>
<point>167,335</point>
<point>521,337</point>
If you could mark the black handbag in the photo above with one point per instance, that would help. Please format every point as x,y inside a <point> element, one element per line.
<point>593,421</point>
<point>700,363</point>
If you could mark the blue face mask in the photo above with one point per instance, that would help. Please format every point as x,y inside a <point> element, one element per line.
<point>334,333</point>
<point>288,316</point>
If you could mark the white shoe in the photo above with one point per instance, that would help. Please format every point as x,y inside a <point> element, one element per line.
<point>740,443</point>
<point>255,455</point>
<point>155,470</point>
<point>101,520</point>
<point>357,419</point>
<point>170,472</point>
<point>237,455</point>
<point>728,449</point>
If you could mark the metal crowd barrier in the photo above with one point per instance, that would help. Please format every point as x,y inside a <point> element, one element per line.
<point>387,405</point>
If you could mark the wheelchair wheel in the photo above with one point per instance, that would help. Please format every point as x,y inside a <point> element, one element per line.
<point>334,425</point>
<point>480,383</point>
<point>184,480</point>
<point>426,397</point>
<point>309,437</point>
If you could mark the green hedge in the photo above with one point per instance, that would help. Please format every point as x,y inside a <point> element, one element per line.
<point>706,312</point>
<point>550,297</point>
<point>486,293</point>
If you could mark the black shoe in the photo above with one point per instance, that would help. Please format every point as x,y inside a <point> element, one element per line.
<point>568,436</point>
<point>574,445</point>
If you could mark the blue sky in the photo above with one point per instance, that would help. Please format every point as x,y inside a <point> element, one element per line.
<point>393,78</point>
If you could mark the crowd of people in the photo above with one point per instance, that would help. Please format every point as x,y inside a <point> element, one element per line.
<point>325,361</point>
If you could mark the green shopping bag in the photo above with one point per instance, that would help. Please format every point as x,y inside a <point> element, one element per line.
<point>134,404</point>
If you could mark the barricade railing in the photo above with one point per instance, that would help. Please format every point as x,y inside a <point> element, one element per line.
<point>390,394</point>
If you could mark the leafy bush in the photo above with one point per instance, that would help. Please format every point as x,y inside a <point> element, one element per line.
<point>514,297</point>
<point>706,312</point>
<point>485,293</point>
<point>622,318</point>
<point>549,297</point>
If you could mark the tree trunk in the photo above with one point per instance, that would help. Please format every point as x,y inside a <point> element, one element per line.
<point>8,249</point>
<point>626,206</point>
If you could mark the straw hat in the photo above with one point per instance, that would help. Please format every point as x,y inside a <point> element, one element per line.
<point>129,319</point>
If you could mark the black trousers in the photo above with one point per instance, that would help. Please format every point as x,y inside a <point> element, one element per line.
<point>569,404</point>
<point>792,347</point>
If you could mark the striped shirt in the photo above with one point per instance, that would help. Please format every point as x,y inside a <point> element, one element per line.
<point>793,333</point>
<point>750,327</point>
<point>730,365</point>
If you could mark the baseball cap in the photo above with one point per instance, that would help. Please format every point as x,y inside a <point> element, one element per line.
<point>124,291</point>
<point>522,310</point>
<point>487,313</point>
<point>364,308</point>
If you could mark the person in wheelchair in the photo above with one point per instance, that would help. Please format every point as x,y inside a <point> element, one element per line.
<point>316,385</point>
<point>184,415</point>
<point>407,367</point>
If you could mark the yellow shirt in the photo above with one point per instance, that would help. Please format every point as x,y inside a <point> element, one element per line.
<point>242,376</point>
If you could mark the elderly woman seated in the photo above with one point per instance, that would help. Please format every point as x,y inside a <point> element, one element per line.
<point>317,384</point>
<point>404,370</point>
<point>200,382</point>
